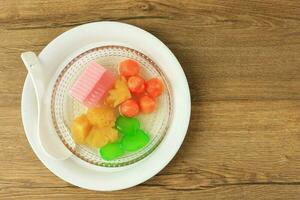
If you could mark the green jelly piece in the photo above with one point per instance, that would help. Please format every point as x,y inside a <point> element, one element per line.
<point>133,142</point>
<point>111,151</point>
<point>127,125</point>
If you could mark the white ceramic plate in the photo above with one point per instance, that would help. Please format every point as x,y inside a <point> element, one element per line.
<point>75,171</point>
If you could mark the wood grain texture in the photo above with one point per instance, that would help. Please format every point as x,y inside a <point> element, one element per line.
<point>242,61</point>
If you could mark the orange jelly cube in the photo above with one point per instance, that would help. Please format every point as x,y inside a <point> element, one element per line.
<point>80,129</point>
<point>103,116</point>
<point>99,137</point>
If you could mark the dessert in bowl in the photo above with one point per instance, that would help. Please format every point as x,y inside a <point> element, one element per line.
<point>111,106</point>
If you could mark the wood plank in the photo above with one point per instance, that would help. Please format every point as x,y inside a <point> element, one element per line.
<point>214,73</point>
<point>35,13</point>
<point>245,192</point>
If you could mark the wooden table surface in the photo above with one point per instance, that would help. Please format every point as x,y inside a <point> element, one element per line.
<point>242,61</point>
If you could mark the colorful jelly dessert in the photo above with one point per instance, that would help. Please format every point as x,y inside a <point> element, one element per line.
<point>111,151</point>
<point>103,116</point>
<point>80,129</point>
<point>100,127</point>
<point>129,68</point>
<point>99,137</point>
<point>92,85</point>
<point>118,94</point>
<point>127,125</point>
<point>136,141</point>
<point>147,104</point>
<point>129,108</point>
<point>154,87</point>
<point>136,84</point>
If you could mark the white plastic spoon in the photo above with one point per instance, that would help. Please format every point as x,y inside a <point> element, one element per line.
<point>47,136</point>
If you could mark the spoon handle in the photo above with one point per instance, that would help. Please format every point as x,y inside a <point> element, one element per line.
<point>35,70</point>
<point>49,140</point>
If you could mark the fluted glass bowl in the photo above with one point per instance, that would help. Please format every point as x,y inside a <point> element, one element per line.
<point>64,108</point>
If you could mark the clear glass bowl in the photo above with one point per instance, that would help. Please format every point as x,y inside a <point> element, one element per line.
<point>64,108</point>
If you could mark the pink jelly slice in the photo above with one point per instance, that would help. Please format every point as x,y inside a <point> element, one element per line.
<point>92,85</point>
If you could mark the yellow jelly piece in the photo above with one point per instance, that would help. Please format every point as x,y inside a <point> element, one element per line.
<point>112,135</point>
<point>80,129</point>
<point>118,94</point>
<point>103,116</point>
<point>99,137</point>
